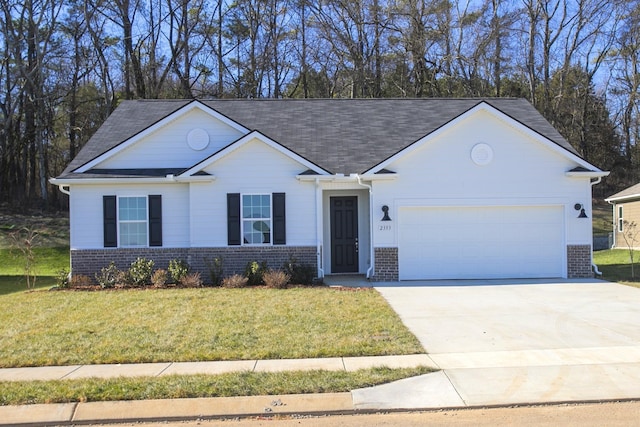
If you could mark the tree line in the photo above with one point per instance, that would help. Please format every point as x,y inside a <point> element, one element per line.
<point>65,65</point>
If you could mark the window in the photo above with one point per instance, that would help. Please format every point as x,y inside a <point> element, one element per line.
<point>620,220</point>
<point>256,218</point>
<point>132,221</point>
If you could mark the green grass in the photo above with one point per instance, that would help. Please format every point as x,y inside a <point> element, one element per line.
<point>48,263</point>
<point>615,266</point>
<point>69,327</point>
<point>192,386</point>
<point>602,217</point>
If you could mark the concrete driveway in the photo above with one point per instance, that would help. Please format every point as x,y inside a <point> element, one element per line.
<point>506,342</point>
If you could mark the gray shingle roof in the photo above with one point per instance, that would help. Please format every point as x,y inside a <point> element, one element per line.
<point>341,136</point>
<point>629,193</point>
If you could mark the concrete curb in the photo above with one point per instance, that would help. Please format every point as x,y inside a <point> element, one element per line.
<point>175,409</point>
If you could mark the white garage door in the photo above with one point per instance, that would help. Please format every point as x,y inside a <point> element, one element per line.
<point>481,242</point>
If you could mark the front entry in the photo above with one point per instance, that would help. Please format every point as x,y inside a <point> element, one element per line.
<point>344,234</point>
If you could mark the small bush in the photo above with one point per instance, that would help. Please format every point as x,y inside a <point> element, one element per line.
<point>108,276</point>
<point>301,274</point>
<point>159,277</point>
<point>140,271</point>
<point>235,281</point>
<point>277,279</point>
<point>62,279</point>
<point>254,272</point>
<point>124,279</point>
<point>178,269</point>
<point>191,280</point>
<point>80,281</point>
<point>216,272</point>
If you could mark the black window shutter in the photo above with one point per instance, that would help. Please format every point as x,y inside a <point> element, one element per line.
<point>279,219</point>
<point>233,218</point>
<point>155,220</point>
<point>109,218</point>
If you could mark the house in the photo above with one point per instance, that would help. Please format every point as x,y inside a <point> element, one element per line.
<point>626,210</point>
<point>394,189</point>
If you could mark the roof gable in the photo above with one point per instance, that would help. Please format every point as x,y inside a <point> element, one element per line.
<point>245,139</point>
<point>174,147</point>
<point>488,108</point>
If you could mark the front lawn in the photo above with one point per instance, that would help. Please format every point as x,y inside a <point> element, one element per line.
<point>615,265</point>
<point>128,326</point>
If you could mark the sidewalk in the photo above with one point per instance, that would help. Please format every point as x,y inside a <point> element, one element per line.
<point>185,409</point>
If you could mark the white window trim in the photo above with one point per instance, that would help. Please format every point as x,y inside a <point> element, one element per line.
<point>243,219</point>
<point>146,220</point>
<point>620,219</point>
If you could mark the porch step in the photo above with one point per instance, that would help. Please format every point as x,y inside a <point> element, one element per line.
<point>347,280</point>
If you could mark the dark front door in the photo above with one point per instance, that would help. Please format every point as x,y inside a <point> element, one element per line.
<point>344,234</point>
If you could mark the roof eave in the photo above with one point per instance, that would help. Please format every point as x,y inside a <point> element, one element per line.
<point>339,177</point>
<point>587,174</point>
<point>131,180</point>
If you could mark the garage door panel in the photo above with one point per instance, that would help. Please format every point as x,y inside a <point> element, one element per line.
<point>481,242</point>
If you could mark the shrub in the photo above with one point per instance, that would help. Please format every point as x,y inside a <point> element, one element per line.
<point>301,274</point>
<point>178,269</point>
<point>24,241</point>
<point>216,272</point>
<point>108,276</point>
<point>79,281</point>
<point>159,277</point>
<point>140,271</point>
<point>277,279</point>
<point>191,280</point>
<point>62,279</point>
<point>235,281</point>
<point>124,279</point>
<point>254,272</point>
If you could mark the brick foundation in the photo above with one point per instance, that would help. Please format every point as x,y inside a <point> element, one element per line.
<point>235,259</point>
<point>386,265</point>
<point>579,261</point>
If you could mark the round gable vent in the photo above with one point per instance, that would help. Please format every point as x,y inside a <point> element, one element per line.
<point>482,154</point>
<point>198,139</point>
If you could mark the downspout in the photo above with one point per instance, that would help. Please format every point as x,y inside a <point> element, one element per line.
<point>319,230</point>
<point>63,191</point>
<point>593,264</point>
<point>371,254</point>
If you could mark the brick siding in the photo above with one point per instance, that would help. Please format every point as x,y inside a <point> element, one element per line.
<point>235,259</point>
<point>386,265</point>
<point>579,261</point>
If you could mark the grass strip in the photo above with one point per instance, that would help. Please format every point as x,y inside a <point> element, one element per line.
<point>45,328</point>
<point>192,386</point>
<point>615,265</point>
<point>48,261</point>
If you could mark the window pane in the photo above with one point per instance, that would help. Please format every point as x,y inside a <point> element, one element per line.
<point>256,232</point>
<point>132,214</point>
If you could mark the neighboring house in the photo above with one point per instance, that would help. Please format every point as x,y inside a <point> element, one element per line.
<point>626,208</point>
<point>397,189</point>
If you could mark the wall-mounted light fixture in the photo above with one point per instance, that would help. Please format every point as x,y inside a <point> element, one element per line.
<point>580,207</point>
<point>385,209</point>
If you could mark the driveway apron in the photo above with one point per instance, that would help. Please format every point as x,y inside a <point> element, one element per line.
<point>508,342</point>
